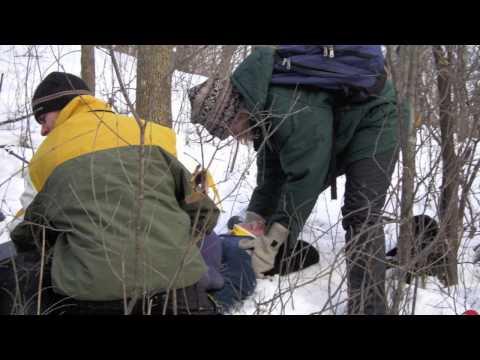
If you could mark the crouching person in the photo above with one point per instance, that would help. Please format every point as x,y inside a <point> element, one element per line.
<point>93,254</point>
<point>308,126</point>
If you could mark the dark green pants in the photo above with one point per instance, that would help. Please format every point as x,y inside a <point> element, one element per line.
<point>365,192</point>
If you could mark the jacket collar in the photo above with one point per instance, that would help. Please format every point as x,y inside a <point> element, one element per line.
<point>80,104</point>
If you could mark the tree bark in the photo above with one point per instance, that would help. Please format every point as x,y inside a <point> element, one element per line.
<point>154,83</point>
<point>88,66</point>
<point>461,92</point>
<point>408,132</point>
<point>404,76</point>
<point>226,61</point>
<point>449,203</point>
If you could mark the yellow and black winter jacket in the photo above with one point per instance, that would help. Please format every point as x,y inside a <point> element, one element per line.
<point>85,176</point>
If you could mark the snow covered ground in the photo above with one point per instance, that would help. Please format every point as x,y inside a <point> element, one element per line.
<point>320,289</point>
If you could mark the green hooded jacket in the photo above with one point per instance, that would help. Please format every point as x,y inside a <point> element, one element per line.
<point>295,139</point>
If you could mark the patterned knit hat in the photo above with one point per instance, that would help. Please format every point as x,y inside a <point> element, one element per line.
<point>56,91</point>
<point>215,103</point>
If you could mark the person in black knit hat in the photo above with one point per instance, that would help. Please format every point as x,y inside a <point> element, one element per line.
<point>88,157</point>
<point>52,94</point>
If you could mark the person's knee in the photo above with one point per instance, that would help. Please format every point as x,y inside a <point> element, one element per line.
<point>362,217</point>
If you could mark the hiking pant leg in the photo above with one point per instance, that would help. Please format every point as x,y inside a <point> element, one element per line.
<point>365,193</point>
<point>8,293</point>
<point>19,284</point>
<point>240,280</point>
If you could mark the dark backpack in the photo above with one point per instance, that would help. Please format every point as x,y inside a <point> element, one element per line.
<point>357,71</point>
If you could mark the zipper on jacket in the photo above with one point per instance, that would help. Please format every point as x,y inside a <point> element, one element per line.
<point>102,110</point>
<point>295,66</point>
<point>331,51</point>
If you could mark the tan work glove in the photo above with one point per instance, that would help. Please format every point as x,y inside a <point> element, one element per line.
<point>265,248</point>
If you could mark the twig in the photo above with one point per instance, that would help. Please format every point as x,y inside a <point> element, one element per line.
<point>10,178</point>
<point>140,189</point>
<point>234,157</point>
<point>40,282</point>
<point>4,147</point>
<point>10,121</point>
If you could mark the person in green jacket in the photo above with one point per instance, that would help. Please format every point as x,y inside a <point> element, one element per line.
<point>291,128</point>
<point>81,204</point>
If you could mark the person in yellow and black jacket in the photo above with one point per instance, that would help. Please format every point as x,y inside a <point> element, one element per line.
<point>80,203</point>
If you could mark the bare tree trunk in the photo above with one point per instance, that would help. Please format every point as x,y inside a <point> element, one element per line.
<point>404,76</point>
<point>154,83</point>
<point>466,117</point>
<point>461,93</point>
<point>408,143</point>
<point>88,66</point>
<point>226,63</point>
<point>449,204</point>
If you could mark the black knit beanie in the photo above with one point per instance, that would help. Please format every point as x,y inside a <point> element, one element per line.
<point>56,91</point>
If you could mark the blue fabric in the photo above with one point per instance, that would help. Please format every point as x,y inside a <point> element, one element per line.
<point>7,250</point>
<point>240,280</point>
<point>342,65</point>
<point>211,250</point>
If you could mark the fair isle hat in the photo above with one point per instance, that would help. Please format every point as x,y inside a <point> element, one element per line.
<point>214,103</point>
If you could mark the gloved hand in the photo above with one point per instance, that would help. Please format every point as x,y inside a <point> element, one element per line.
<point>264,248</point>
